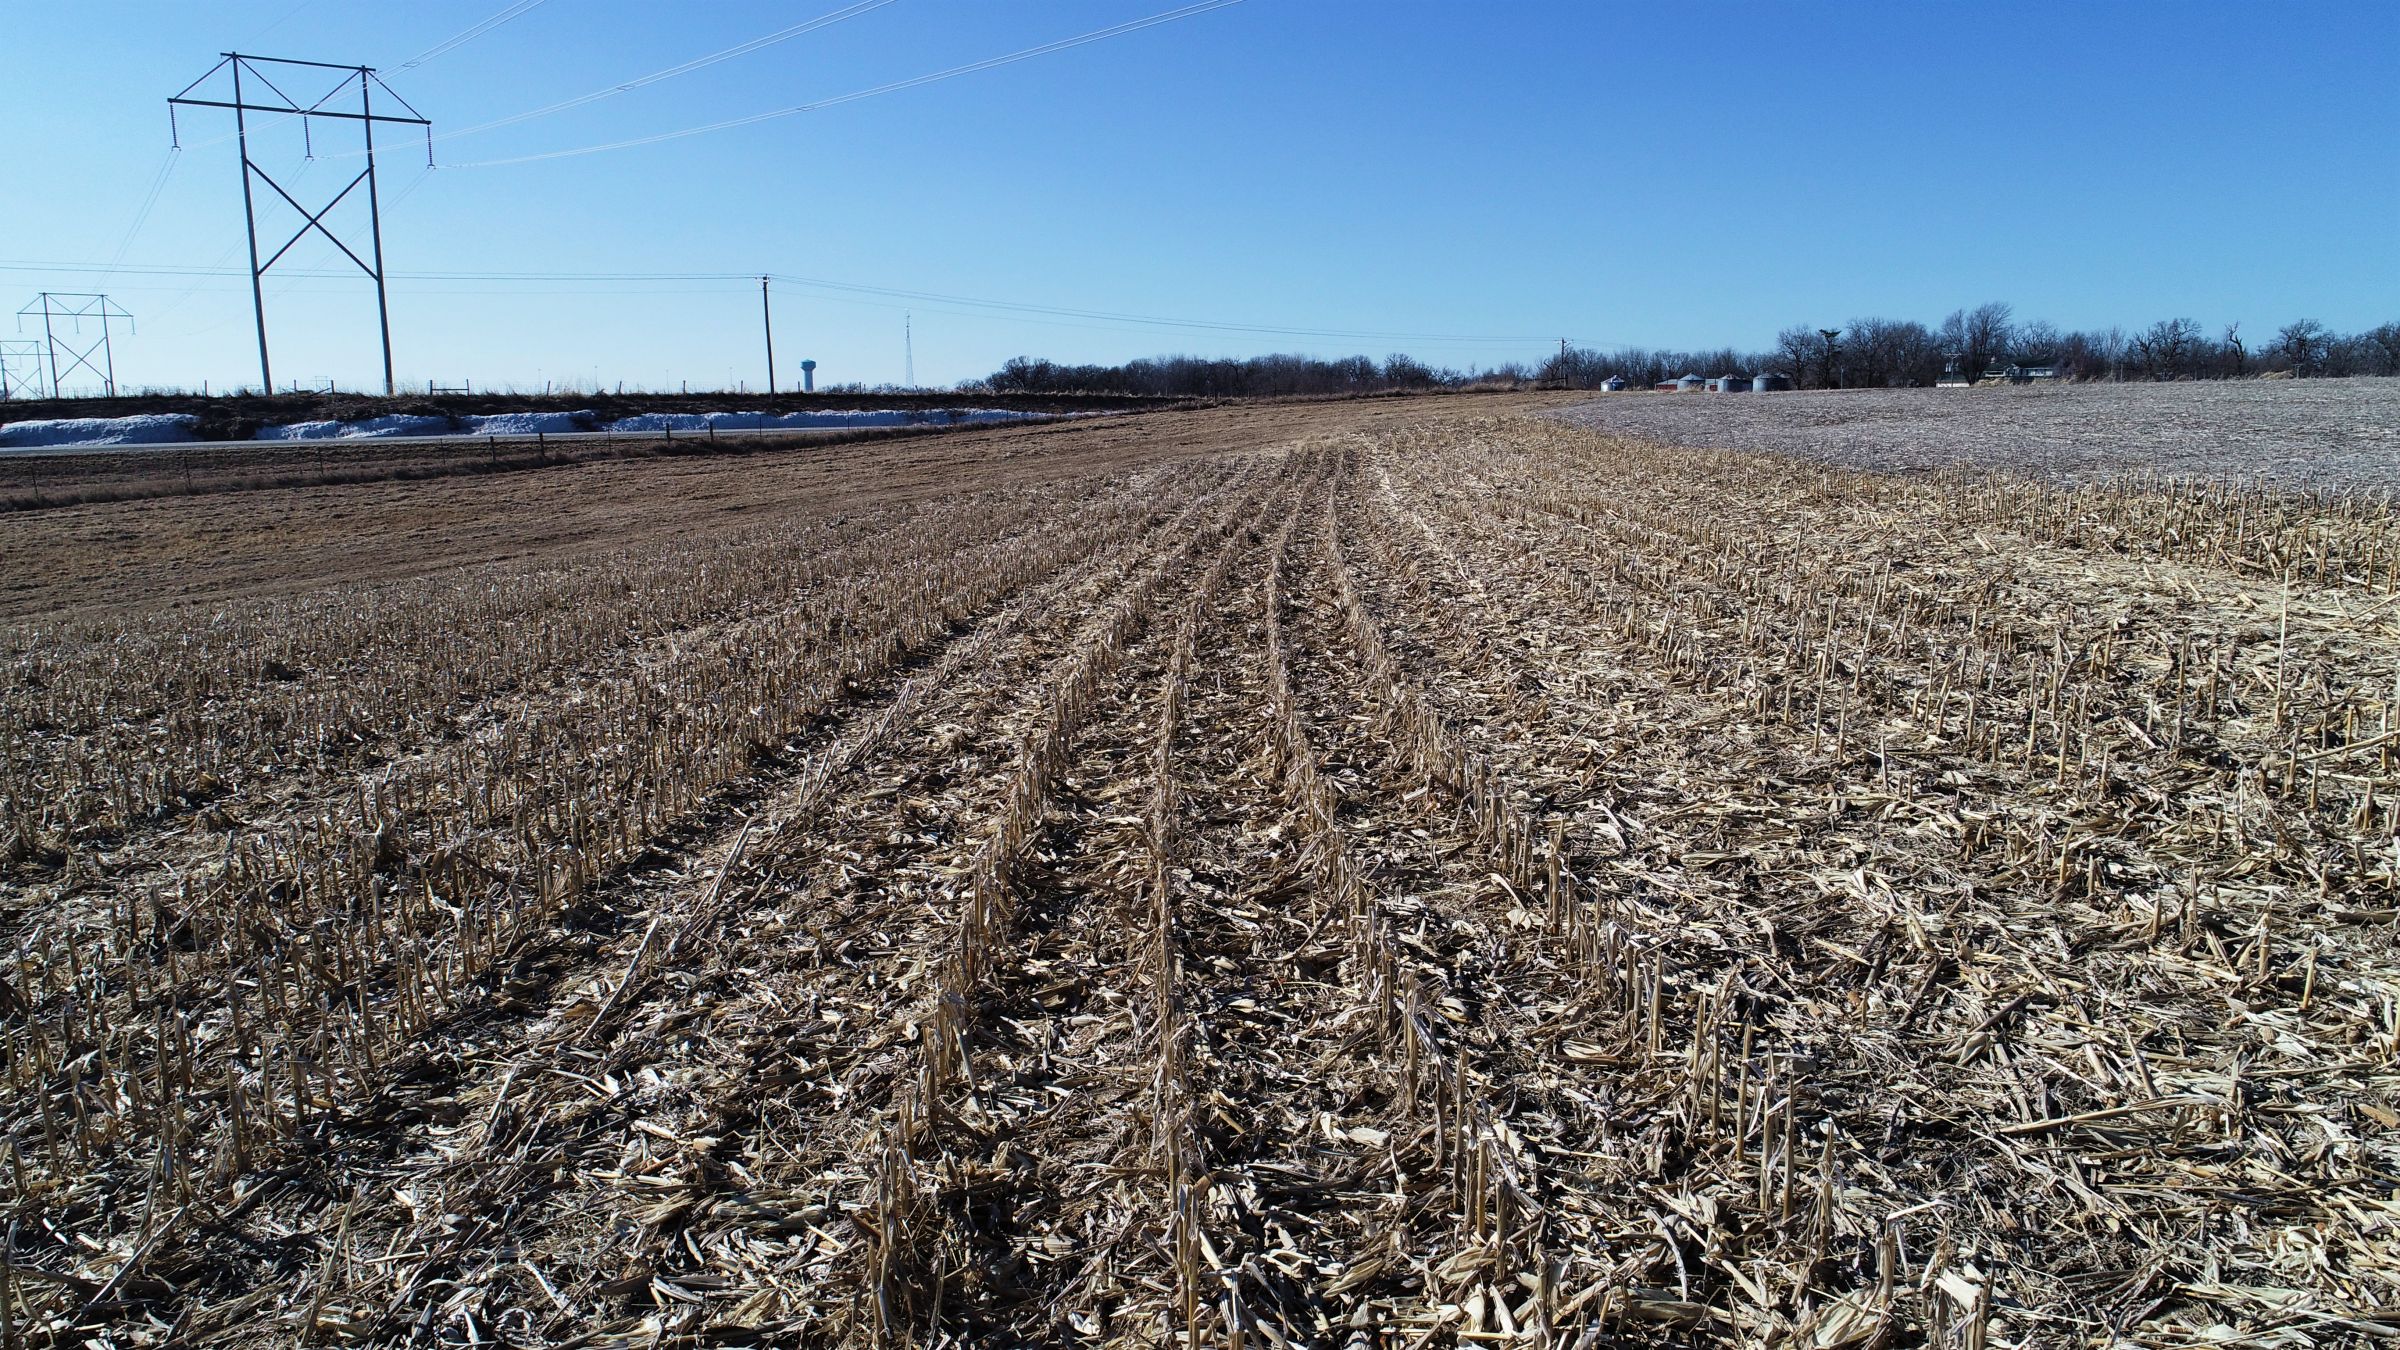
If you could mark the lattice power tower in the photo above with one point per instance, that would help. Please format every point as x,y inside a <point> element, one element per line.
<point>262,71</point>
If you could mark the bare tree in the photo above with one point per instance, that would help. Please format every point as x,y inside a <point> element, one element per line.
<point>1801,351</point>
<point>2383,349</point>
<point>1402,371</point>
<point>1891,353</point>
<point>1978,337</point>
<point>2237,356</point>
<point>2303,346</point>
<point>2168,349</point>
<point>2034,344</point>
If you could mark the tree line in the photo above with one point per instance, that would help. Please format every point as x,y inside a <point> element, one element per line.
<point>1276,376</point>
<point>1869,353</point>
<point>1988,339</point>
<point>1875,353</point>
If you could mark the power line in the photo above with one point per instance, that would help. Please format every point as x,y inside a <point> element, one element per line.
<point>972,67</point>
<point>442,48</point>
<point>1153,320</point>
<point>141,214</point>
<point>461,39</point>
<point>899,297</point>
<point>288,16</point>
<point>697,63</point>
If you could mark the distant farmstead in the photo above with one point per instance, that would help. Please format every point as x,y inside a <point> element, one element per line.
<point>2024,371</point>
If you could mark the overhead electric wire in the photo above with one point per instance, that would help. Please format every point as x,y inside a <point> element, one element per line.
<point>1152,320</point>
<point>461,39</point>
<point>966,304</point>
<point>696,63</point>
<point>288,16</point>
<point>141,214</point>
<point>972,67</point>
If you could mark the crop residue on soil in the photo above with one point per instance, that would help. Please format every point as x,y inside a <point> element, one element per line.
<point>1388,875</point>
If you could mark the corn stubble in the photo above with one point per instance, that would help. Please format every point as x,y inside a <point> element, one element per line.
<point>1473,881</point>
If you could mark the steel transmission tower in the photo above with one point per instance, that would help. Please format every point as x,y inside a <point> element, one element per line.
<point>261,70</point>
<point>58,307</point>
<point>20,368</point>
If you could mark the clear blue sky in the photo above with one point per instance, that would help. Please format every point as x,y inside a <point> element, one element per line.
<point>1489,170</point>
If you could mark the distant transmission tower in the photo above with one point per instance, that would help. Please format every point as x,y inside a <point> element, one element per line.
<point>20,368</point>
<point>364,79</point>
<point>57,307</point>
<point>908,346</point>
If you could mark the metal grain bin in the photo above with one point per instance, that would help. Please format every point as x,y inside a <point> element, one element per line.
<point>1767,384</point>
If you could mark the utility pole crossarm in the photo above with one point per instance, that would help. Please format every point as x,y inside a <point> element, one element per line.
<point>298,112</point>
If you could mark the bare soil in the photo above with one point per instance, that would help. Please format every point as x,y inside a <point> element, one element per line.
<point>177,549</point>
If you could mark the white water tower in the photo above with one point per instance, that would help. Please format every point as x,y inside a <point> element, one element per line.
<point>808,377</point>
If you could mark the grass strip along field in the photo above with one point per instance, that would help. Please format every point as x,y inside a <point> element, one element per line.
<point>1402,876</point>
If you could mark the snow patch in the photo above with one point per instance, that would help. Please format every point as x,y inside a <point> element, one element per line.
<point>179,427</point>
<point>815,421</point>
<point>527,423</point>
<point>396,424</point>
<point>140,430</point>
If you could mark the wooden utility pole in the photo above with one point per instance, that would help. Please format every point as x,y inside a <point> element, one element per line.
<point>766,313</point>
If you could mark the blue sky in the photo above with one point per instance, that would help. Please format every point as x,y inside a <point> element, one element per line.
<point>1475,180</point>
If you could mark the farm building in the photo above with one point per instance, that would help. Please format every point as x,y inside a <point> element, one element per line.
<point>1766,384</point>
<point>1730,384</point>
<point>2011,372</point>
<point>1689,384</point>
<point>1614,384</point>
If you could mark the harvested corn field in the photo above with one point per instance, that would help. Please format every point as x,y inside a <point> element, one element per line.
<point>1397,877</point>
<point>2297,435</point>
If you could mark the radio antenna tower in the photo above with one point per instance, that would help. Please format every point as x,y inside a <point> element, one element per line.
<point>20,368</point>
<point>265,70</point>
<point>908,347</point>
<point>56,307</point>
